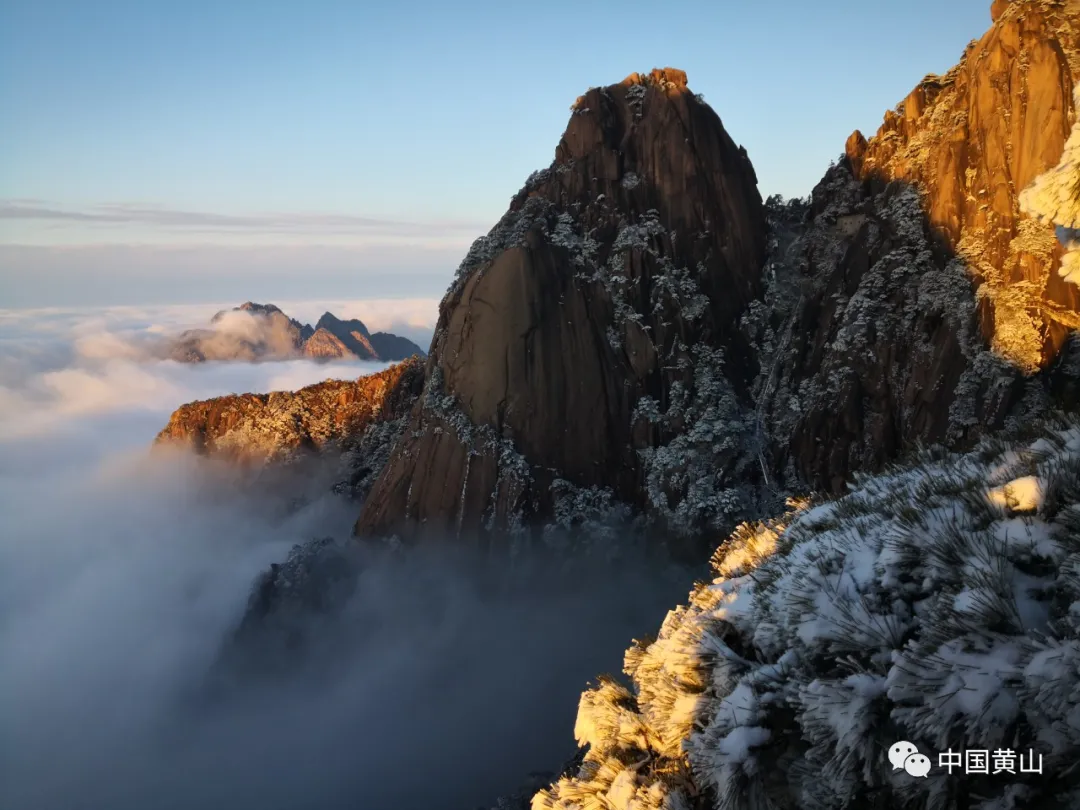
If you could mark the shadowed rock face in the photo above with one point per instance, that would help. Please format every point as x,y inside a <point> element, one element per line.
<point>357,420</point>
<point>879,347</point>
<point>929,310</point>
<point>596,322</point>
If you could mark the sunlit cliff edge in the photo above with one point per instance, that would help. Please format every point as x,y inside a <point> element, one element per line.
<point>355,420</point>
<point>972,140</point>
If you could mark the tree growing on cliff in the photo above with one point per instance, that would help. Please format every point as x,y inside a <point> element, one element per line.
<point>1054,198</point>
<point>937,604</point>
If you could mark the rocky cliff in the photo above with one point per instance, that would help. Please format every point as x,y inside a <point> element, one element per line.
<point>588,350</point>
<point>910,302</point>
<point>972,140</point>
<point>913,302</point>
<point>640,332</point>
<point>356,420</point>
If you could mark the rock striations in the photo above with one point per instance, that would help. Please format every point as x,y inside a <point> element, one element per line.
<point>589,349</point>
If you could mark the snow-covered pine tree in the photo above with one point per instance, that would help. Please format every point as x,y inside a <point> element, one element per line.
<point>937,603</point>
<point>1054,198</point>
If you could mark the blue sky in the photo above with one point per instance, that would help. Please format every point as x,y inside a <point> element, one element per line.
<point>359,147</point>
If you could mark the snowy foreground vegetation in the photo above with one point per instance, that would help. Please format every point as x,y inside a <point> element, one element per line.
<point>937,604</point>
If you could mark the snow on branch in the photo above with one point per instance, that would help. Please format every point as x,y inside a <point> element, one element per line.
<point>937,603</point>
<point>1054,199</point>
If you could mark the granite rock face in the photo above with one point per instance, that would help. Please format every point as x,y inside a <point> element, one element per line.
<point>589,350</point>
<point>909,303</point>
<point>972,140</point>
<point>930,310</point>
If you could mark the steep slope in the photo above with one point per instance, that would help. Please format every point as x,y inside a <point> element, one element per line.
<point>393,347</point>
<point>972,140</point>
<point>356,339</point>
<point>936,605</point>
<point>928,308</point>
<point>353,335</point>
<point>357,419</point>
<point>1054,199</point>
<point>325,345</point>
<point>588,350</point>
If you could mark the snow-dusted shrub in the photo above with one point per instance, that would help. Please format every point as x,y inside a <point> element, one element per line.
<point>938,604</point>
<point>635,95</point>
<point>363,460</point>
<point>588,515</point>
<point>1054,198</point>
<point>691,479</point>
<point>509,232</point>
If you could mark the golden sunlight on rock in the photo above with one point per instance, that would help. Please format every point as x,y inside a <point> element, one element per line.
<point>972,140</point>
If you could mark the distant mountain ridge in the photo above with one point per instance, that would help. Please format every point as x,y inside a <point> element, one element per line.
<point>252,332</point>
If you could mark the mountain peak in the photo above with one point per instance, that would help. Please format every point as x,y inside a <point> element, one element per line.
<point>668,79</point>
<point>617,270</point>
<point>279,336</point>
<point>265,309</point>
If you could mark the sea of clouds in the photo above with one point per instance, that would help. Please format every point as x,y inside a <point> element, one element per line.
<point>123,572</point>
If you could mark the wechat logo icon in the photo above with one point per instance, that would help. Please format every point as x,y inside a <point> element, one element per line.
<point>905,756</point>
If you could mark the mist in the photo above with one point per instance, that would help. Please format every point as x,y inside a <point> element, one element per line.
<point>441,682</point>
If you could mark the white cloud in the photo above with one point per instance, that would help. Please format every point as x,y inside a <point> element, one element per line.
<point>123,572</point>
<point>56,364</point>
<point>24,221</point>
